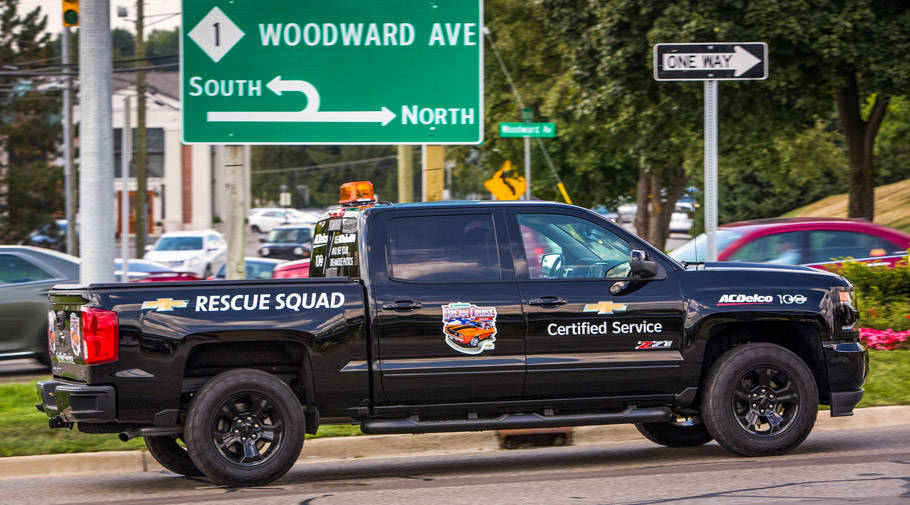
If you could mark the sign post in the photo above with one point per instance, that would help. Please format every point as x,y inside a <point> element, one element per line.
<point>340,72</point>
<point>711,62</point>
<point>527,130</point>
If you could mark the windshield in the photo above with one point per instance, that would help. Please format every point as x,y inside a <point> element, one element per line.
<point>179,244</point>
<point>289,236</point>
<point>694,250</point>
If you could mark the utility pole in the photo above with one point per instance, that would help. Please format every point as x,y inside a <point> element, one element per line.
<point>141,137</point>
<point>405,174</point>
<point>433,158</point>
<point>235,202</point>
<point>68,152</point>
<point>96,181</point>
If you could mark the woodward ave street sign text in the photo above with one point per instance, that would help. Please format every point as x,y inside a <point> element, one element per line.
<point>338,72</point>
<point>728,61</point>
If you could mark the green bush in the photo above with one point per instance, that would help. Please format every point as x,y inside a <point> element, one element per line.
<point>882,294</point>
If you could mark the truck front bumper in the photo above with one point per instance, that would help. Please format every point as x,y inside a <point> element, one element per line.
<point>68,402</point>
<point>848,364</point>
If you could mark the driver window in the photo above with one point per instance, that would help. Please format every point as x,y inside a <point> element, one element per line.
<point>565,247</point>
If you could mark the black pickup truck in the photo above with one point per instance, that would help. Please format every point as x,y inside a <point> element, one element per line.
<point>455,316</point>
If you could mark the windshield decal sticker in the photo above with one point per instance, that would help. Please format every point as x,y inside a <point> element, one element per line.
<point>469,329</point>
<point>607,307</point>
<point>165,304</point>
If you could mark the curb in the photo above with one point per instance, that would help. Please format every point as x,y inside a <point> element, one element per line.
<point>380,446</point>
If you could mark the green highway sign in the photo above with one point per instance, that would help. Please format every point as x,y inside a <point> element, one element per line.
<point>337,72</point>
<point>527,129</point>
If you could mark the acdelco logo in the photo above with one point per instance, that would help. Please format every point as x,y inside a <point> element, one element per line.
<point>744,299</point>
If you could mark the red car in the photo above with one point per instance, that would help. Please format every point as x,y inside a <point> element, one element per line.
<point>291,269</point>
<point>470,334</point>
<point>814,242</point>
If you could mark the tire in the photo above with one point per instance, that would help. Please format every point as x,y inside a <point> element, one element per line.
<point>681,432</point>
<point>244,428</point>
<point>760,400</point>
<point>207,272</point>
<point>255,229</point>
<point>44,358</point>
<point>474,342</point>
<point>171,455</point>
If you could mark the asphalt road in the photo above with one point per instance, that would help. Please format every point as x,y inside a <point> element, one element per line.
<point>832,466</point>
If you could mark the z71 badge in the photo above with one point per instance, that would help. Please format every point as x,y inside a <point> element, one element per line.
<point>469,329</point>
<point>654,344</point>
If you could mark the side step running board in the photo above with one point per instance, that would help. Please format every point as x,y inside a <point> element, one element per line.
<point>515,421</point>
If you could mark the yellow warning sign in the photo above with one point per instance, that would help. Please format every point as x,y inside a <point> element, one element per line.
<point>505,185</point>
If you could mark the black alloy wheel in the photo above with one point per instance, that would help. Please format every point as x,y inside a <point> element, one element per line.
<point>760,399</point>
<point>244,428</point>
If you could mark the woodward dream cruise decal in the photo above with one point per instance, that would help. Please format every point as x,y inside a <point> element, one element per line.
<point>469,329</point>
<point>76,334</point>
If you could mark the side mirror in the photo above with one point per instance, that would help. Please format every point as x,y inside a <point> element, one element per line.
<point>550,263</point>
<point>149,248</point>
<point>262,240</point>
<point>640,263</point>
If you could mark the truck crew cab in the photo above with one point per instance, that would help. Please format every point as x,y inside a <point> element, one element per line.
<point>455,316</point>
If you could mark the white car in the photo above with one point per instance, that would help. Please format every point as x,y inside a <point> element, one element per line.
<point>263,220</point>
<point>201,253</point>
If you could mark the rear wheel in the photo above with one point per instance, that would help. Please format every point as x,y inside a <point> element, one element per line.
<point>684,431</point>
<point>244,428</point>
<point>171,454</point>
<point>255,229</point>
<point>760,400</point>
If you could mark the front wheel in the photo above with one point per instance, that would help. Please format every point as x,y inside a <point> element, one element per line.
<point>244,428</point>
<point>683,431</point>
<point>170,454</point>
<point>760,399</point>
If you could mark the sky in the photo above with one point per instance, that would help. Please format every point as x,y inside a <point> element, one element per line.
<point>157,14</point>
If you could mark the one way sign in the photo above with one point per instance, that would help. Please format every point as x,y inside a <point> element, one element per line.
<point>728,61</point>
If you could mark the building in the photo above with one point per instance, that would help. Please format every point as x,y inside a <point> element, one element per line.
<point>185,182</point>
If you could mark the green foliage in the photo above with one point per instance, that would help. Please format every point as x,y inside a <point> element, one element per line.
<point>29,127</point>
<point>322,169</point>
<point>892,147</point>
<point>160,43</point>
<point>883,294</point>
<point>123,44</point>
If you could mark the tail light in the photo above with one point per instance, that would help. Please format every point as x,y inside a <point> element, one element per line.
<point>101,334</point>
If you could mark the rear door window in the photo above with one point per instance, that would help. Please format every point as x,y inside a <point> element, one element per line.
<point>436,248</point>
<point>832,245</point>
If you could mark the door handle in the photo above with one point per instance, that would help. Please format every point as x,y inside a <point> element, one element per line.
<point>548,301</point>
<point>401,306</point>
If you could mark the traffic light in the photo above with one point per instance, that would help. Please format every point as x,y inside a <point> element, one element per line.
<point>70,12</point>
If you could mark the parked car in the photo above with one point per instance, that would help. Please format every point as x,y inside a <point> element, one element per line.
<point>256,268</point>
<point>289,242</point>
<point>50,236</point>
<point>292,269</point>
<point>263,220</point>
<point>681,219</point>
<point>200,253</point>
<point>26,275</point>
<point>815,242</point>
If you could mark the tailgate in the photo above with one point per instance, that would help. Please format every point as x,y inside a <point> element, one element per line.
<point>64,334</point>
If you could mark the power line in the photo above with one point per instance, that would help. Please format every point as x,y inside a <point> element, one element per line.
<point>328,165</point>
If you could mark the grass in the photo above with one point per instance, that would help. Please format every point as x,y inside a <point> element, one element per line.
<point>24,431</point>
<point>892,206</point>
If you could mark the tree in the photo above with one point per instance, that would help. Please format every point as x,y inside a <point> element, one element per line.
<point>162,48</point>
<point>30,189</point>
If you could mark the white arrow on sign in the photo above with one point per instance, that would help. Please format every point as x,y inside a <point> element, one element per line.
<point>309,114</point>
<point>740,61</point>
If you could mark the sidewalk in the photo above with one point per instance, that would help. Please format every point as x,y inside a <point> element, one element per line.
<point>379,446</point>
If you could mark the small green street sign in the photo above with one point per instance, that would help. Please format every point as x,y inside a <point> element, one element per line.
<point>338,72</point>
<point>527,129</point>
<point>527,115</point>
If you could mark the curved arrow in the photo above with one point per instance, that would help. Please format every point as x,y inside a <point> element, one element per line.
<point>309,114</point>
